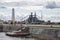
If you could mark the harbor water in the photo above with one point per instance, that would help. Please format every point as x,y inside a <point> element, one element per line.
<point>4,37</point>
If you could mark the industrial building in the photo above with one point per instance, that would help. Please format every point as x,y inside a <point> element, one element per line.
<point>32,19</point>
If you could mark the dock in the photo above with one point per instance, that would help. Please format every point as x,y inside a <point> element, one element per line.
<point>34,29</point>
<point>44,37</point>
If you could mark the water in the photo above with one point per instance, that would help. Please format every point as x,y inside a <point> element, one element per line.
<point>4,37</point>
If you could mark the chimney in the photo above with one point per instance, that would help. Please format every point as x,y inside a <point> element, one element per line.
<point>13,15</point>
<point>35,14</point>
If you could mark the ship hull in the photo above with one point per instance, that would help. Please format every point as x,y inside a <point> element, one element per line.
<point>19,34</point>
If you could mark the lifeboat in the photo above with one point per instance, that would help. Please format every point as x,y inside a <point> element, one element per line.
<point>22,32</point>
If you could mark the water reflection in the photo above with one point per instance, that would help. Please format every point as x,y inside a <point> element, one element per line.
<point>4,37</point>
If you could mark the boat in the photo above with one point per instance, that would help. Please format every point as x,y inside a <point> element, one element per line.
<point>22,32</point>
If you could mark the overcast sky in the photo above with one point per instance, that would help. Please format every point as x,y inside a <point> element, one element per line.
<point>27,0</point>
<point>50,9</point>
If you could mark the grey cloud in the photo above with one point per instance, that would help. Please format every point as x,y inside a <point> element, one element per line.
<point>18,4</point>
<point>52,5</point>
